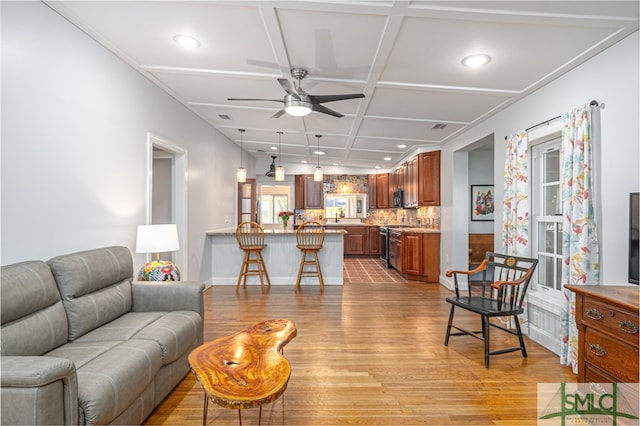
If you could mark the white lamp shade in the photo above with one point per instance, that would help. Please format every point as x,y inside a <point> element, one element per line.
<point>157,238</point>
<point>279,173</point>
<point>317,175</point>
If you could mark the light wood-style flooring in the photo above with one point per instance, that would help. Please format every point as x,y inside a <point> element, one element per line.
<point>372,353</point>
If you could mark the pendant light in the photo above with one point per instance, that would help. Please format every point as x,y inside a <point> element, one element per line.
<point>241,174</point>
<point>279,168</point>
<point>317,175</point>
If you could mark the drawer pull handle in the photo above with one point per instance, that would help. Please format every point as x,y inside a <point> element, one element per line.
<point>596,349</point>
<point>594,314</point>
<point>628,327</point>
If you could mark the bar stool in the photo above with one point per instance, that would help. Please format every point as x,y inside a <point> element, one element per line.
<point>310,237</point>
<point>250,237</point>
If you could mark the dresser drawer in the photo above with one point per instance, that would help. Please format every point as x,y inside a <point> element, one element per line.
<point>611,355</point>
<point>621,323</point>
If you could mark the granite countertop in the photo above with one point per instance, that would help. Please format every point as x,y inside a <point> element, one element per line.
<point>232,231</point>
<point>417,230</point>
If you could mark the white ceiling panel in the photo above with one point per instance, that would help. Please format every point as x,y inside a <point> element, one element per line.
<point>405,56</point>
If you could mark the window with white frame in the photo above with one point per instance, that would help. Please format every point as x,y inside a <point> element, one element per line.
<point>547,214</point>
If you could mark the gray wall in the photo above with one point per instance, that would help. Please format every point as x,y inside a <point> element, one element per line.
<point>75,120</point>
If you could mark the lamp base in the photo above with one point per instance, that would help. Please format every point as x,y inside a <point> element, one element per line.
<point>159,270</point>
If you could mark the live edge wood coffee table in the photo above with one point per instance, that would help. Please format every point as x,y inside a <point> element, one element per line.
<point>246,369</point>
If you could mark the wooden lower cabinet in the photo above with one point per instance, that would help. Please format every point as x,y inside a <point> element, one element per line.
<point>420,256</point>
<point>608,330</point>
<point>361,241</point>
<point>395,249</point>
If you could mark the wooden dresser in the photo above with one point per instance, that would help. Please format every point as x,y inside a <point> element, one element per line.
<point>608,326</point>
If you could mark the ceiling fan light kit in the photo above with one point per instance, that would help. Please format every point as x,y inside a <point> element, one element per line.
<point>299,103</point>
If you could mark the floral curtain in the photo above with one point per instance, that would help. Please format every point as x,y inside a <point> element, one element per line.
<point>515,208</point>
<point>581,260</point>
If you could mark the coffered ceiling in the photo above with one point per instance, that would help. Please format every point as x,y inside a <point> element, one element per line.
<point>405,56</point>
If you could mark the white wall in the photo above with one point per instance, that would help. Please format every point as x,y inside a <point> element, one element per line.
<point>74,132</point>
<point>611,78</point>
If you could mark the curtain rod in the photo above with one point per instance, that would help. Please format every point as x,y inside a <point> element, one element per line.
<point>592,104</point>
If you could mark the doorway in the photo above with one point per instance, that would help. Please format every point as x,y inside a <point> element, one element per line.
<point>167,193</point>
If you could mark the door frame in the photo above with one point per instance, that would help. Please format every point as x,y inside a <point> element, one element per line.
<point>179,182</point>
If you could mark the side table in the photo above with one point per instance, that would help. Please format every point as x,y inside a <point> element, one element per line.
<point>246,369</point>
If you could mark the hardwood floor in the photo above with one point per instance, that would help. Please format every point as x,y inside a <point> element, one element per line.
<point>372,353</point>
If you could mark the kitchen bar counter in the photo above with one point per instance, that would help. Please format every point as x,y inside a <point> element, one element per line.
<point>281,257</point>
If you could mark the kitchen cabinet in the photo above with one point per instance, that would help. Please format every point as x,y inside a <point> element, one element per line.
<point>308,193</point>
<point>411,183</point>
<point>382,191</point>
<point>355,240</point>
<point>371,192</point>
<point>412,250</point>
<point>608,330</point>
<point>429,178</point>
<point>416,254</point>
<point>373,240</point>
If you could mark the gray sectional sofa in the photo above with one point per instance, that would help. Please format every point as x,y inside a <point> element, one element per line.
<point>81,343</point>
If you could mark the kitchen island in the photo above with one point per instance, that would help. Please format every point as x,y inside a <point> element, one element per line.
<point>281,257</point>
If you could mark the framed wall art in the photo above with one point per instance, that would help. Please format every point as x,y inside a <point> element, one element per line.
<point>482,202</point>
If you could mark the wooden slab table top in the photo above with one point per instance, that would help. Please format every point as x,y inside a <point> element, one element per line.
<point>246,369</point>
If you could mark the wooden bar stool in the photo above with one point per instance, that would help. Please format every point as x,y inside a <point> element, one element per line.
<point>310,237</point>
<point>250,237</point>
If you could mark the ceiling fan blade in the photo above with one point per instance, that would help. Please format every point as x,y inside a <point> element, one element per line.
<point>325,110</point>
<point>330,98</point>
<point>250,99</point>
<point>278,114</point>
<point>288,87</point>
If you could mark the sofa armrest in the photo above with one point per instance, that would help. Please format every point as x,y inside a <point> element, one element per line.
<point>174,296</point>
<point>38,390</point>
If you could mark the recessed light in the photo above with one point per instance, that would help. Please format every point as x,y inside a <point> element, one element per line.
<point>319,152</point>
<point>303,161</point>
<point>387,158</point>
<point>377,167</point>
<point>475,61</point>
<point>186,41</point>
<point>401,146</point>
<point>274,148</point>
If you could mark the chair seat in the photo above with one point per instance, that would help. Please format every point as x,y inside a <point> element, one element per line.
<point>483,305</point>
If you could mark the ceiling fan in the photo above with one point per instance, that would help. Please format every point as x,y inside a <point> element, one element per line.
<point>299,103</point>
<point>272,168</point>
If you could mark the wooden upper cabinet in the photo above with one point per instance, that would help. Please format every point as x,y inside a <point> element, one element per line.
<point>411,183</point>
<point>382,191</point>
<point>371,189</point>
<point>308,193</point>
<point>429,178</point>
<point>313,193</point>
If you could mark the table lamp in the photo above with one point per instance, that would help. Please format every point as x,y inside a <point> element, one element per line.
<point>158,239</point>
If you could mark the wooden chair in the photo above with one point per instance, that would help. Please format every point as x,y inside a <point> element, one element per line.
<point>250,237</point>
<point>310,237</point>
<point>500,293</point>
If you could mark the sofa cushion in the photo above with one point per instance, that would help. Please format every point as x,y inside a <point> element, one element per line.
<point>95,286</point>
<point>32,316</point>
<point>111,375</point>
<point>174,332</point>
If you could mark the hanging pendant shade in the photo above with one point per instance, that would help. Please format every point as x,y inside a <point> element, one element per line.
<point>279,169</point>
<point>241,174</point>
<point>317,174</point>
